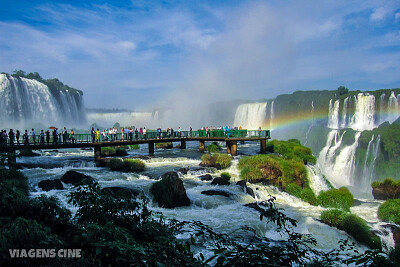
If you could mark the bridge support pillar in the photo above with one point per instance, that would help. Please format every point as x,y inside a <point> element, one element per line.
<point>231,147</point>
<point>202,146</point>
<point>12,160</point>
<point>263,146</point>
<point>183,144</point>
<point>97,152</point>
<point>151,148</point>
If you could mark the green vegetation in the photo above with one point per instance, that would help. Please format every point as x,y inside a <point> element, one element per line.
<point>54,85</point>
<point>387,164</point>
<point>214,147</point>
<point>274,169</point>
<point>389,188</point>
<point>305,194</point>
<point>390,211</point>
<point>164,145</point>
<point>336,198</point>
<point>291,150</point>
<point>217,160</point>
<point>111,151</point>
<point>342,90</point>
<point>126,165</point>
<point>135,146</point>
<point>226,176</point>
<point>353,225</point>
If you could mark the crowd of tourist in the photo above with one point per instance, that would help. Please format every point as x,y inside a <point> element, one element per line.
<point>96,135</point>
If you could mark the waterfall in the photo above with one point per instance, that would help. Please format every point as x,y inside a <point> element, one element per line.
<point>30,101</point>
<point>333,122</point>
<point>382,108</point>
<point>251,116</point>
<point>368,173</point>
<point>364,116</point>
<point>344,112</point>
<point>393,108</point>
<point>272,116</point>
<point>317,180</point>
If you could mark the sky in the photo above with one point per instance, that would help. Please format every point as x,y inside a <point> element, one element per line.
<point>140,55</point>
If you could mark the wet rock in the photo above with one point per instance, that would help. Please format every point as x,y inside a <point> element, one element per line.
<point>117,191</point>
<point>396,233</point>
<point>170,192</point>
<point>47,185</point>
<point>216,193</point>
<point>356,202</point>
<point>220,181</point>
<point>206,177</point>
<point>255,206</point>
<point>183,170</point>
<point>28,153</point>
<point>248,190</point>
<point>76,178</point>
<point>386,191</point>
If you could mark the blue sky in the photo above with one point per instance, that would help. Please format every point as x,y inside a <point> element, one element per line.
<point>144,54</point>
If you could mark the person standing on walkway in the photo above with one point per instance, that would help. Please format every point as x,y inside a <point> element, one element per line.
<point>136,134</point>
<point>17,134</point>
<point>34,136</point>
<point>190,131</point>
<point>64,134</point>
<point>122,133</point>
<point>93,133</point>
<point>72,136</point>
<point>144,133</point>
<point>97,135</point>
<point>26,138</point>
<point>11,137</point>
<point>42,137</point>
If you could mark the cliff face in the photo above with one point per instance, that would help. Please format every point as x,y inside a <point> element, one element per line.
<point>29,101</point>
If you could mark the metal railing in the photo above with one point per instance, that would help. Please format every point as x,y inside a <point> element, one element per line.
<point>150,134</point>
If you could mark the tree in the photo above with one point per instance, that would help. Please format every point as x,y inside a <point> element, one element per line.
<point>19,73</point>
<point>342,90</point>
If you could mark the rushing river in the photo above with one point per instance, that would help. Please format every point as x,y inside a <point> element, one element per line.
<point>223,214</point>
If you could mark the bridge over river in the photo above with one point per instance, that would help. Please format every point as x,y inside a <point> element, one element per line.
<point>231,138</point>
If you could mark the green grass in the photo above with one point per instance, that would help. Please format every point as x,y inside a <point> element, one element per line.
<point>214,147</point>
<point>390,211</point>
<point>292,149</point>
<point>217,160</point>
<point>353,225</point>
<point>135,146</point>
<point>126,165</point>
<point>113,151</point>
<point>226,176</point>
<point>164,145</point>
<point>336,198</point>
<point>305,194</point>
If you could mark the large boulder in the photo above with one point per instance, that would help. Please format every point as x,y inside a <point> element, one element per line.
<point>388,189</point>
<point>47,185</point>
<point>77,178</point>
<point>216,193</point>
<point>220,181</point>
<point>169,192</point>
<point>117,191</point>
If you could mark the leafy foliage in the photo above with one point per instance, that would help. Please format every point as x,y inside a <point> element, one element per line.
<point>214,147</point>
<point>336,198</point>
<point>226,176</point>
<point>110,151</point>
<point>217,160</point>
<point>353,225</point>
<point>126,165</point>
<point>390,211</point>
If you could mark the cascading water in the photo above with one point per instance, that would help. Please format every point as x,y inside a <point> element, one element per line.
<point>251,116</point>
<point>369,163</point>
<point>29,101</point>
<point>333,122</point>
<point>364,116</point>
